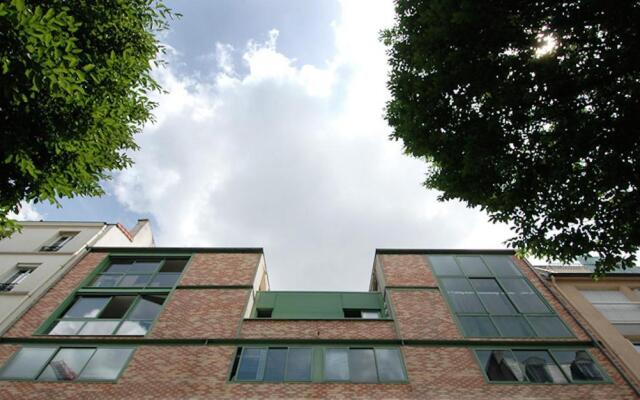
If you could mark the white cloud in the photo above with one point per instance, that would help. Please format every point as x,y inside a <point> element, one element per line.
<point>293,159</point>
<point>26,212</point>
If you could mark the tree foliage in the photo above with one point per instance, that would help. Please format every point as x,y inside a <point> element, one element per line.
<point>74,86</point>
<point>546,138</point>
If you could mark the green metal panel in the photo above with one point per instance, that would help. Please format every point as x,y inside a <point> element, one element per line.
<point>317,305</point>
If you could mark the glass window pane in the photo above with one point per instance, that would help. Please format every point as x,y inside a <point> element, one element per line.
<point>117,307</point>
<point>299,365</point>
<point>362,365</point>
<point>135,281</point>
<point>274,367</point>
<point>99,328</point>
<point>106,281</point>
<point>370,314</point>
<point>106,364</point>
<point>492,296</point>
<point>251,364</point>
<point>27,363</point>
<point>578,366</point>
<point>87,307</point>
<point>513,326</point>
<point>134,328</point>
<point>118,268</point>
<point>444,265</point>
<point>165,280</point>
<point>502,266</point>
<point>147,308</point>
<point>539,367</point>
<point>173,265</point>
<point>478,327</point>
<point>523,296</point>
<point>463,298</point>
<point>336,364</point>
<point>66,328</point>
<point>473,266</point>
<point>389,365</point>
<point>66,365</point>
<point>549,326</point>
<point>144,267</point>
<point>500,366</point>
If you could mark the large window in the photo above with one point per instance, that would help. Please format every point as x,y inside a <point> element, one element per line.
<point>306,364</point>
<point>123,298</point>
<point>539,366</point>
<point>109,315</point>
<point>20,273</point>
<point>491,298</point>
<point>273,364</point>
<point>67,363</point>
<point>620,310</point>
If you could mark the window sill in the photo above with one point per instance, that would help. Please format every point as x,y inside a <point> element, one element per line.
<point>321,319</point>
<point>14,293</point>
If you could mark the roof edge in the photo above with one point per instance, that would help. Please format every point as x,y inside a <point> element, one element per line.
<point>151,250</point>
<point>446,251</point>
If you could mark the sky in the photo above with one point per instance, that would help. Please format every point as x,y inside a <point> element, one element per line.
<point>272,135</point>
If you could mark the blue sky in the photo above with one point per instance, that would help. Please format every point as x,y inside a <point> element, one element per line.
<point>272,135</point>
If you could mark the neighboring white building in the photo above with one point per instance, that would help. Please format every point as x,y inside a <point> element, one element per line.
<point>35,258</point>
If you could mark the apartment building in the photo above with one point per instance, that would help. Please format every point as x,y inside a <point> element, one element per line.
<point>610,306</point>
<point>203,323</point>
<point>36,257</point>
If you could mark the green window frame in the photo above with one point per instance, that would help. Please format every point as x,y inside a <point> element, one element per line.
<point>536,365</point>
<point>60,324</point>
<point>67,363</point>
<point>144,272</point>
<point>253,364</point>
<point>490,297</point>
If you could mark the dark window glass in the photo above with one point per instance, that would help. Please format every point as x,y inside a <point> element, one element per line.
<point>492,296</point>
<point>500,366</point>
<point>463,298</point>
<point>66,365</point>
<point>264,312</point>
<point>539,367</point>
<point>502,266</point>
<point>87,307</point>
<point>251,364</point>
<point>117,307</point>
<point>478,326</point>
<point>165,280</point>
<point>147,308</point>
<point>473,266</point>
<point>274,367</point>
<point>27,363</point>
<point>173,265</point>
<point>389,365</point>
<point>299,365</point>
<point>550,327</point>
<point>523,296</point>
<point>362,365</point>
<point>336,364</point>
<point>144,267</point>
<point>352,313</point>
<point>513,326</point>
<point>134,281</point>
<point>118,268</point>
<point>444,265</point>
<point>106,280</point>
<point>106,364</point>
<point>577,365</point>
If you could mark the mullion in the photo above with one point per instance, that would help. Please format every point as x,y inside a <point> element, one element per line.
<point>46,364</point>
<point>126,314</point>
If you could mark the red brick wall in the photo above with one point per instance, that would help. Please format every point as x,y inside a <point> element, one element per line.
<point>200,372</point>
<point>406,270</point>
<point>221,269</point>
<point>43,309</point>
<point>201,313</point>
<point>318,329</point>
<point>423,314</point>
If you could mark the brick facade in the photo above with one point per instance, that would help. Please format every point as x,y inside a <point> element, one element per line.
<point>208,311</point>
